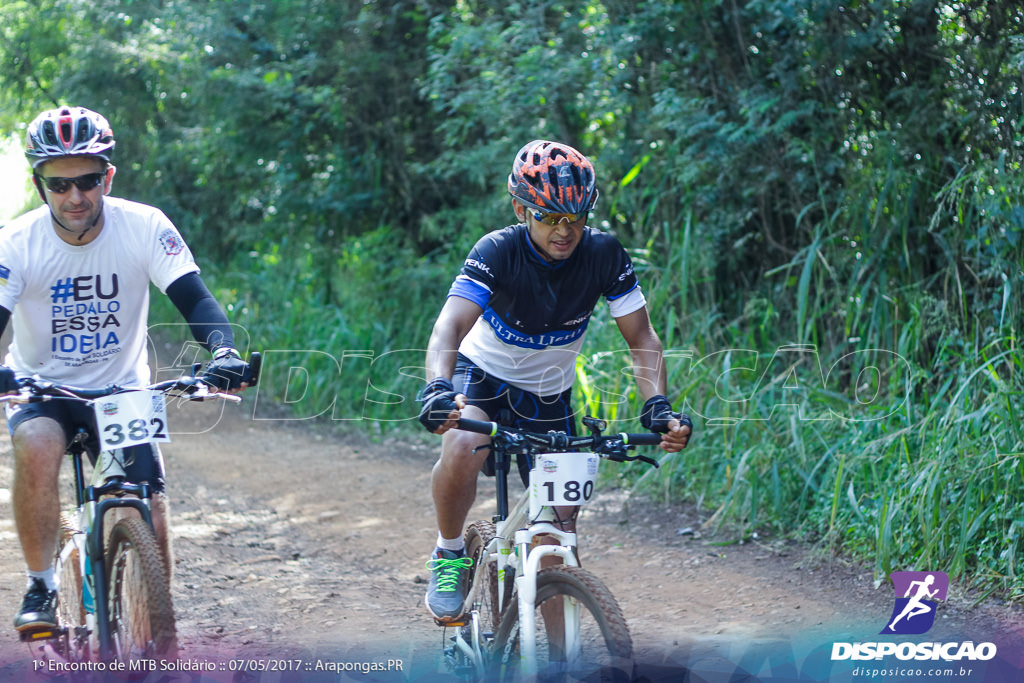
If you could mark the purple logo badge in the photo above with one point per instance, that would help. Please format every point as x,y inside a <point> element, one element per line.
<point>917,597</point>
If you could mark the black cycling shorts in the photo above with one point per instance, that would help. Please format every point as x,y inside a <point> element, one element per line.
<point>143,463</point>
<point>512,406</point>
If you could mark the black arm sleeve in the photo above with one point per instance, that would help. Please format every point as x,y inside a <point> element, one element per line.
<point>201,311</point>
<point>5,317</point>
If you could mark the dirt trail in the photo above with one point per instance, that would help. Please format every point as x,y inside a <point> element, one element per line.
<point>293,543</point>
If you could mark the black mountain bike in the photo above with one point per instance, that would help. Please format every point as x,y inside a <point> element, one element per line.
<point>115,597</point>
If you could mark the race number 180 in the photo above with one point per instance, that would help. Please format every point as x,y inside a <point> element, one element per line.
<point>562,479</point>
<point>131,418</point>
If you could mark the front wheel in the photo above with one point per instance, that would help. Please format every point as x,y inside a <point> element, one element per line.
<point>580,632</point>
<point>141,614</point>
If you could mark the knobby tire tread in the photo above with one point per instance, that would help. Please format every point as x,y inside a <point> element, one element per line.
<point>478,535</point>
<point>596,598</point>
<point>133,537</point>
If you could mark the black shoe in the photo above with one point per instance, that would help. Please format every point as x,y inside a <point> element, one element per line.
<point>449,576</point>
<point>38,609</point>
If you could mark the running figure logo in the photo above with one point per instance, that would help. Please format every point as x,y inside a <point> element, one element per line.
<point>917,596</point>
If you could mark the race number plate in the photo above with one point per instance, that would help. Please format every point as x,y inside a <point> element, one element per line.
<point>131,418</point>
<point>562,479</point>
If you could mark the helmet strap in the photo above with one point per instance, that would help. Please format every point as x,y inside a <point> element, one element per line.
<point>39,188</point>
<point>81,235</point>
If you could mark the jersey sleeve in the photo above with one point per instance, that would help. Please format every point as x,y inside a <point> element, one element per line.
<point>170,257</point>
<point>623,290</point>
<point>478,276</point>
<point>12,264</point>
<point>11,283</point>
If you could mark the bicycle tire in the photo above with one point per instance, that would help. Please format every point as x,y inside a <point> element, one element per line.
<point>606,647</point>
<point>478,535</point>
<point>70,609</point>
<point>142,623</point>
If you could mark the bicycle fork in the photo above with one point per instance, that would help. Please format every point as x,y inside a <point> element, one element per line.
<point>526,590</point>
<point>95,551</point>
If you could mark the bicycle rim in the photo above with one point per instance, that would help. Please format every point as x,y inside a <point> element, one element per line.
<point>141,613</point>
<point>581,633</point>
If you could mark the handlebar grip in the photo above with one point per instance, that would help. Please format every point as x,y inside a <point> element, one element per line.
<point>252,374</point>
<point>478,426</point>
<point>642,439</point>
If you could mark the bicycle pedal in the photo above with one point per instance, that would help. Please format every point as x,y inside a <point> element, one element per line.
<point>36,635</point>
<point>461,621</point>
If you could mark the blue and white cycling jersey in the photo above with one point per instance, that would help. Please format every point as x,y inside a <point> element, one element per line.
<point>535,313</point>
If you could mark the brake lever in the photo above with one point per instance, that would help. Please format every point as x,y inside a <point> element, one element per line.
<point>619,455</point>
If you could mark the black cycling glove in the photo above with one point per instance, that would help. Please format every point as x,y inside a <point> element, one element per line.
<point>226,370</point>
<point>8,380</point>
<point>438,399</point>
<point>657,412</point>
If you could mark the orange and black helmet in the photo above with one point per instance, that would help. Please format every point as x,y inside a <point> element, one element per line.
<point>553,178</point>
<point>67,132</point>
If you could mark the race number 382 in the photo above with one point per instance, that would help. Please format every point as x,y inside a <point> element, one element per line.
<point>131,418</point>
<point>563,479</point>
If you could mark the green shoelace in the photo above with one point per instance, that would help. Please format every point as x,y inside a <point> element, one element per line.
<point>448,571</point>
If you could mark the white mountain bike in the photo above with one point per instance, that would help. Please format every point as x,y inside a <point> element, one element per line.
<point>532,612</point>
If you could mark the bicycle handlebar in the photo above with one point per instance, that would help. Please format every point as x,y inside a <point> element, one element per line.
<point>35,390</point>
<point>612,446</point>
<point>191,387</point>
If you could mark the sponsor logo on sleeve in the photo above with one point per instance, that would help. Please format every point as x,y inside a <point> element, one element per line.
<point>172,242</point>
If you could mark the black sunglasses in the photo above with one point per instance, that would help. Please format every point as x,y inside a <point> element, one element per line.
<point>84,183</point>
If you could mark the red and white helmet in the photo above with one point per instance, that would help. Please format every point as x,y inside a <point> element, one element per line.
<point>553,178</point>
<point>66,132</point>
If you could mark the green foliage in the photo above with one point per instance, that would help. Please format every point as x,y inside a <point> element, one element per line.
<point>823,201</point>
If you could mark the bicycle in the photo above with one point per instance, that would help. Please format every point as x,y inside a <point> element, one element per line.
<point>524,620</point>
<point>115,598</point>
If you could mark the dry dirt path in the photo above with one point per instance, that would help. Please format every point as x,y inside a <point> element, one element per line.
<point>296,545</point>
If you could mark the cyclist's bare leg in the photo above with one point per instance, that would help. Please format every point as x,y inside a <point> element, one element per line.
<point>38,450</point>
<point>453,480</point>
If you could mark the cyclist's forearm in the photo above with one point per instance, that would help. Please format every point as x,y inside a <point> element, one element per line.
<point>205,317</point>
<point>440,363</point>
<point>646,352</point>
<point>442,351</point>
<point>649,371</point>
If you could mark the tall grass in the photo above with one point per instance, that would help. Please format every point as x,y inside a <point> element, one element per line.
<point>871,407</point>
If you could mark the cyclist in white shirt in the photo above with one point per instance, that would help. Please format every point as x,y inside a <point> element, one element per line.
<point>74,284</point>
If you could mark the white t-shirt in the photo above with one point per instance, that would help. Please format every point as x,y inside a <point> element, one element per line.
<point>80,313</point>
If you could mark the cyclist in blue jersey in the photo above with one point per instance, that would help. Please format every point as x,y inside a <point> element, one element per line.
<point>506,341</point>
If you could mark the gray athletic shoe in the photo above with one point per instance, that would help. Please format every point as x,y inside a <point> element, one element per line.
<point>449,579</point>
